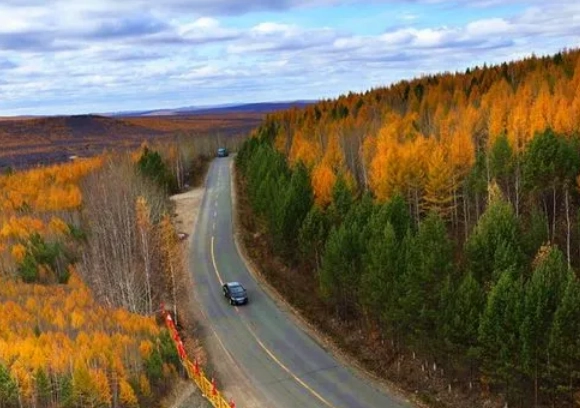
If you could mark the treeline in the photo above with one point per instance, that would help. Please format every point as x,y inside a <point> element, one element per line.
<point>106,223</point>
<point>457,243</point>
<point>439,140</point>
<point>59,348</point>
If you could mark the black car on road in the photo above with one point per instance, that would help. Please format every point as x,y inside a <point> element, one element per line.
<point>235,292</point>
<point>222,152</point>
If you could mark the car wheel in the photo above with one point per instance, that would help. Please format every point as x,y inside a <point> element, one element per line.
<point>232,302</point>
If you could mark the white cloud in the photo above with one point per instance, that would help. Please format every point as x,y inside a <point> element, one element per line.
<point>69,56</point>
<point>490,26</point>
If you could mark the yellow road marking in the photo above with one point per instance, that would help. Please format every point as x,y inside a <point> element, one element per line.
<point>214,263</point>
<point>272,356</point>
<point>215,266</point>
<point>296,378</point>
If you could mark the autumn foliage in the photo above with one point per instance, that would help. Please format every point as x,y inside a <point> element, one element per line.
<point>420,137</point>
<point>67,339</point>
<point>437,221</point>
<point>64,349</point>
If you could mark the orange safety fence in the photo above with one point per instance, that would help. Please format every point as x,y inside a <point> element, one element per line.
<point>194,372</point>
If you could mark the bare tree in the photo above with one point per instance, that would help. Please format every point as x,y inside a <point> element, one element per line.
<point>112,262</point>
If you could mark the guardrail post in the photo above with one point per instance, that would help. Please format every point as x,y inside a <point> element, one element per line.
<point>213,387</point>
<point>208,388</point>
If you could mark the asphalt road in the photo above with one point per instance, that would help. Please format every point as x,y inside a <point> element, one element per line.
<point>287,367</point>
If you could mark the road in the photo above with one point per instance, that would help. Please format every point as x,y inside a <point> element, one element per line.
<point>287,367</point>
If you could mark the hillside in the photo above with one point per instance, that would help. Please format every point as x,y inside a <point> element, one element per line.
<point>244,108</point>
<point>49,140</point>
<point>437,220</point>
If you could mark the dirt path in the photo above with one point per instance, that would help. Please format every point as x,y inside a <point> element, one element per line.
<point>186,394</point>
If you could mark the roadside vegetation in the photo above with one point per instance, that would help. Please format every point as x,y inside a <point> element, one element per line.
<point>433,228</point>
<point>88,253</point>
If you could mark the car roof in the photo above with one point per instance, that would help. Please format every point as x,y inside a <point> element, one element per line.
<point>232,284</point>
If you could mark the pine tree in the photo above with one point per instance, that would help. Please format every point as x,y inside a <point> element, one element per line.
<point>340,270</point>
<point>495,239</point>
<point>313,234</point>
<point>499,332</point>
<point>396,212</point>
<point>381,271</point>
<point>342,200</point>
<point>43,388</point>
<point>469,303</point>
<point>428,263</point>
<point>8,389</point>
<point>295,206</point>
<point>542,295</point>
<point>501,165</point>
<point>564,346</point>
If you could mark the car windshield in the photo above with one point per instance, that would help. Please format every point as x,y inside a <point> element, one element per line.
<point>237,290</point>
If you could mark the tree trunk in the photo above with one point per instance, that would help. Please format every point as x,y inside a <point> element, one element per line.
<point>416,206</point>
<point>147,267</point>
<point>477,209</point>
<point>553,212</point>
<point>568,252</point>
<point>488,175</point>
<point>517,188</point>
<point>465,226</point>
<point>547,215</point>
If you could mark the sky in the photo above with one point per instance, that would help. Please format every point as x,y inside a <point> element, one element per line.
<point>95,56</point>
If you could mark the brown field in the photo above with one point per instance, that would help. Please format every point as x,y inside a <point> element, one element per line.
<point>27,142</point>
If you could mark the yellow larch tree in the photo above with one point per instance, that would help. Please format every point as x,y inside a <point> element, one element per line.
<point>304,149</point>
<point>540,113</point>
<point>127,395</point>
<point>497,103</point>
<point>323,179</point>
<point>439,185</point>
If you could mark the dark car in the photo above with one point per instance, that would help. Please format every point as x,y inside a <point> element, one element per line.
<point>235,292</point>
<point>222,152</point>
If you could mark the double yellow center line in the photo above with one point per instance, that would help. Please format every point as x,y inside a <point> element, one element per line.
<point>261,344</point>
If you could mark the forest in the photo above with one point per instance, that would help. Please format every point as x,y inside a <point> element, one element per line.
<point>439,216</point>
<point>88,252</point>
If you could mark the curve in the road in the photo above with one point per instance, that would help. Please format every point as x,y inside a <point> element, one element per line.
<point>286,365</point>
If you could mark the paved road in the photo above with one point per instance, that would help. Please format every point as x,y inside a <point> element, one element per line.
<point>287,367</point>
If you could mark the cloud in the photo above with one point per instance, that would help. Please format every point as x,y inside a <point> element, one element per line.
<point>130,55</point>
<point>271,37</point>
<point>31,41</point>
<point>134,26</point>
<point>7,64</point>
<point>200,31</point>
<point>64,56</point>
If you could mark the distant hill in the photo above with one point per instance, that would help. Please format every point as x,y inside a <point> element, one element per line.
<point>47,140</point>
<point>259,107</point>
